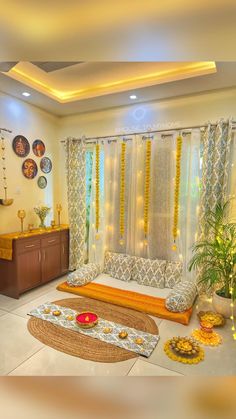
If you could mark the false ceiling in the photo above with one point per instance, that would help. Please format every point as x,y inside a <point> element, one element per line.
<point>66,88</point>
<point>89,80</point>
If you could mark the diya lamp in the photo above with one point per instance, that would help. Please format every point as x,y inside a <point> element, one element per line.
<point>206,326</point>
<point>87,319</point>
<point>59,209</point>
<point>56,313</point>
<point>123,334</point>
<point>21,215</point>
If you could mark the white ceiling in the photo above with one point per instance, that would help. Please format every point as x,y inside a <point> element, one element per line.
<point>224,77</point>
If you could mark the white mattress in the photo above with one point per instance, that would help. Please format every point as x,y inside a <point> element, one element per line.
<point>131,286</point>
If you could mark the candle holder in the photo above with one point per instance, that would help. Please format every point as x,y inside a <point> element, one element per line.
<point>53,223</point>
<point>59,209</point>
<point>30,227</point>
<point>21,215</point>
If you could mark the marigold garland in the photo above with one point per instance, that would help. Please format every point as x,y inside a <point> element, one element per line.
<point>122,189</point>
<point>147,186</point>
<point>97,188</point>
<point>169,352</point>
<point>177,189</point>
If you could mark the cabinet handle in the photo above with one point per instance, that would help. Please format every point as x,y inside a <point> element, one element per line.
<point>51,241</point>
<point>29,245</point>
<point>44,255</point>
<point>39,256</point>
<point>63,249</point>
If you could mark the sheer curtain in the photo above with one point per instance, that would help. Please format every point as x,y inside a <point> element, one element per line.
<point>159,241</point>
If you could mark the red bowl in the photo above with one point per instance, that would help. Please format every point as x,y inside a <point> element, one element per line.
<point>87,319</point>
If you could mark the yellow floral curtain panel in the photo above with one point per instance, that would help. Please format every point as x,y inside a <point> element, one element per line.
<point>76,191</point>
<point>217,143</point>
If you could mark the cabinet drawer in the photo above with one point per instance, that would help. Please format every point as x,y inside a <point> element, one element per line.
<point>64,235</point>
<point>50,240</point>
<point>25,245</point>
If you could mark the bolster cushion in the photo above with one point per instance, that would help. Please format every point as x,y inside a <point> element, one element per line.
<point>82,276</point>
<point>182,297</point>
<point>149,272</point>
<point>118,265</point>
<point>173,274</point>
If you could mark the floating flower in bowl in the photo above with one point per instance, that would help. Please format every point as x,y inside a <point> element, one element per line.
<point>87,319</point>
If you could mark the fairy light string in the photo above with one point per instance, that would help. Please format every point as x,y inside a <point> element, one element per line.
<point>122,191</point>
<point>177,190</point>
<point>232,293</point>
<point>97,189</point>
<point>147,188</point>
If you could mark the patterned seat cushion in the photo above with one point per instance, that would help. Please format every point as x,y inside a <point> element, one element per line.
<point>149,272</point>
<point>173,274</point>
<point>182,297</point>
<point>83,275</point>
<point>118,265</point>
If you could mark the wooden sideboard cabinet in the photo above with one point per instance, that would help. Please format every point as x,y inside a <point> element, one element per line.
<point>36,260</point>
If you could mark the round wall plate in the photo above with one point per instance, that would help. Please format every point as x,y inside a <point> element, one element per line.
<point>46,165</point>
<point>42,182</point>
<point>29,168</point>
<point>38,148</point>
<point>21,146</point>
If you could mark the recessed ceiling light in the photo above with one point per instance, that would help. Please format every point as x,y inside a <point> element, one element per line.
<point>133,97</point>
<point>26,94</point>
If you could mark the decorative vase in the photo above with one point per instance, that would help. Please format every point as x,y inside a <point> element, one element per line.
<point>42,213</point>
<point>222,305</point>
<point>42,221</point>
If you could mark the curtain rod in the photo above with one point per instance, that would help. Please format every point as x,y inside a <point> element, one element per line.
<point>6,130</point>
<point>148,132</point>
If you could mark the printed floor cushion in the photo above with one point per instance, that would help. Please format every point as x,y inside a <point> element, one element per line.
<point>182,297</point>
<point>85,274</point>
<point>149,272</point>
<point>118,265</point>
<point>173,274</point>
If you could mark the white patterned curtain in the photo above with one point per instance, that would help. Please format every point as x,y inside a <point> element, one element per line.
<point>217,145</point>
<point>159,241</point>
<point>76,192</point>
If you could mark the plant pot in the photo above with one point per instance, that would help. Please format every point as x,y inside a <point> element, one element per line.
<point>222,305</point>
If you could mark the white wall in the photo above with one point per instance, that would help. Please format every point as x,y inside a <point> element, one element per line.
<point>176,112</point>
<point>33,123</point>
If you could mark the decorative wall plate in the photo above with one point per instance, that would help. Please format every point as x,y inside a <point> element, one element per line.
<point>21,146</point>
<point>29,169</point>
<point>38,148</point>
<point>46,165</point>
<point>42,182</point>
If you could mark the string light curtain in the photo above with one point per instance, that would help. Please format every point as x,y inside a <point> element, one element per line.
<point>125,196</point>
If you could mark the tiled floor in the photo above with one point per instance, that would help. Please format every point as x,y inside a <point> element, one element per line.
<point>22,354</point>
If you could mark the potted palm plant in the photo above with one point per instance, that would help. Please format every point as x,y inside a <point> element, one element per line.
<point>215,259</point>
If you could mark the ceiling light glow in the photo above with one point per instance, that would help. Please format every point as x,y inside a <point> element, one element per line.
<point>26,94</point>
<point>133,97</point>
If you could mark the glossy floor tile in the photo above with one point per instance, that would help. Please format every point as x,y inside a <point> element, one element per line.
<point>16,343</point>
<point>142,368</point>
<point>2,312</point>
<point>22,354</point>
<point>9,304</point>
<point>219,360</point>
<point>49,296</point>
<point>51,362</point>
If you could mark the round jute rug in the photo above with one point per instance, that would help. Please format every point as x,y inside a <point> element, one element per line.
<point>85,347</point>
